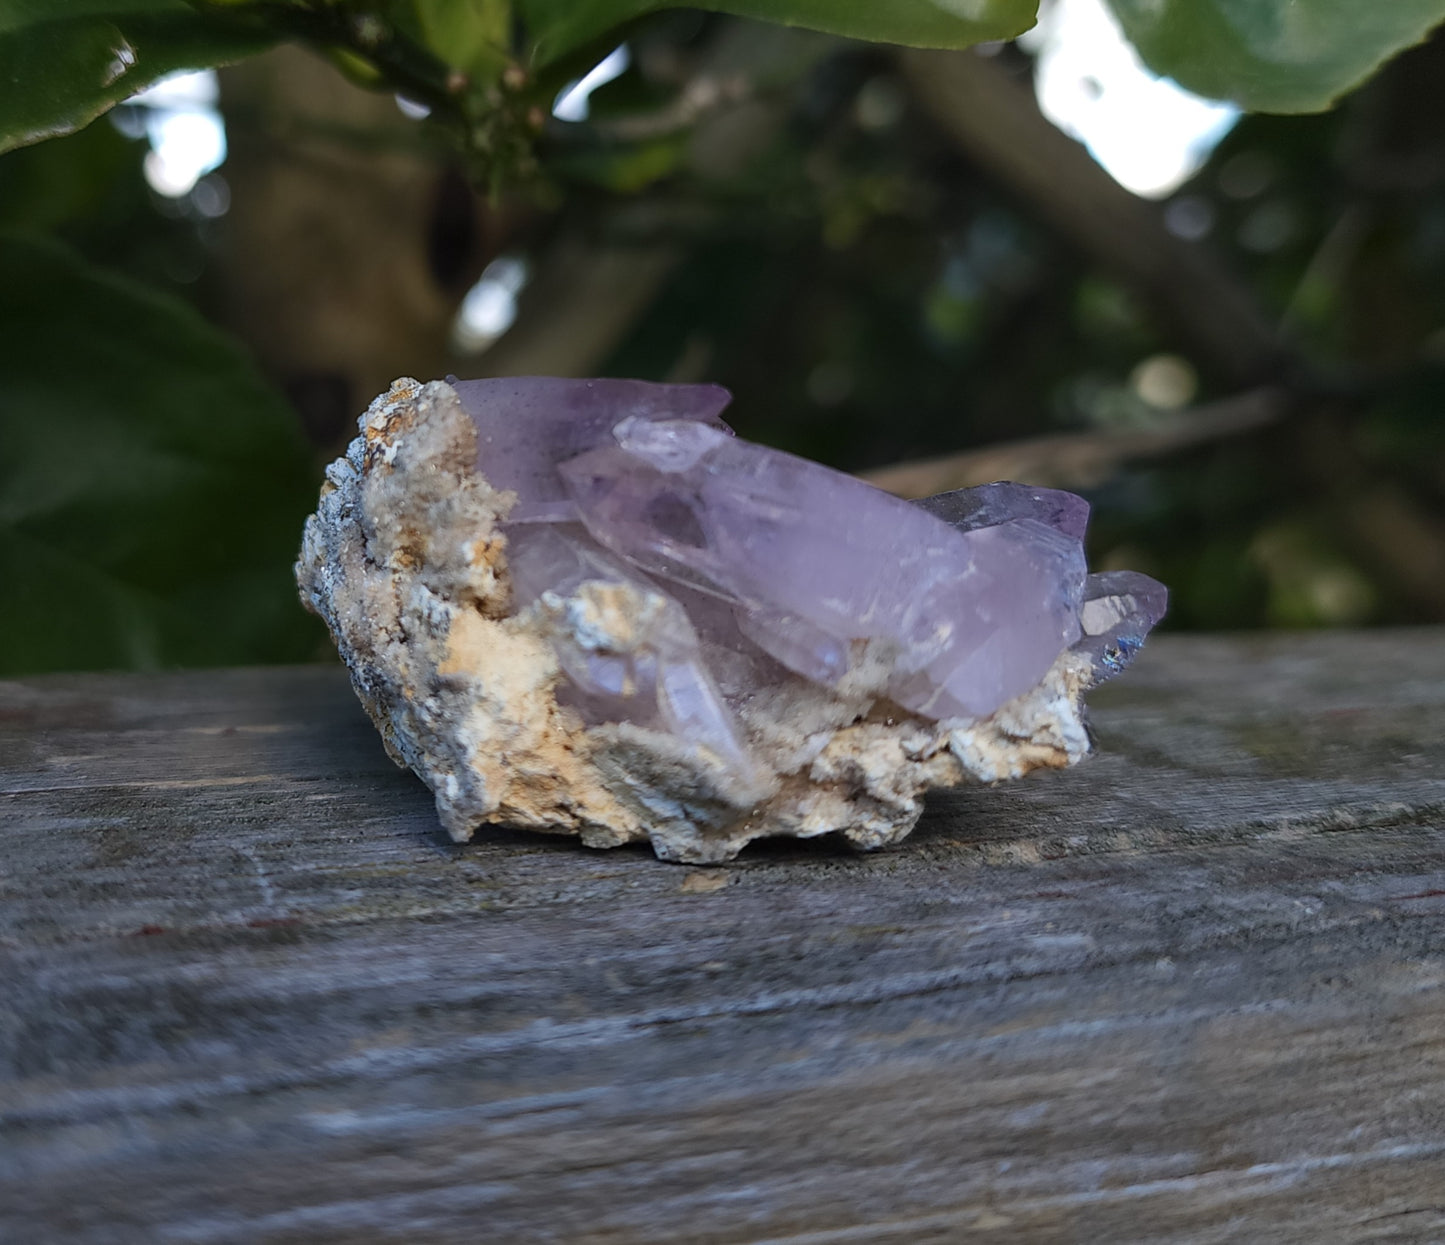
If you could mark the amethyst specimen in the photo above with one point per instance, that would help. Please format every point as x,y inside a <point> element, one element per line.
<point>586,606</point>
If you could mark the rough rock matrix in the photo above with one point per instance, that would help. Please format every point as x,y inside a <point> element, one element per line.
<point>585,607</point>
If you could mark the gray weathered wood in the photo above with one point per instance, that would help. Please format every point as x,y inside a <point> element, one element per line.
<point>1193,990</point>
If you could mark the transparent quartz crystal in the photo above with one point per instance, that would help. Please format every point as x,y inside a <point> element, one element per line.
<point>628,648</point>
<point>1120,608</point>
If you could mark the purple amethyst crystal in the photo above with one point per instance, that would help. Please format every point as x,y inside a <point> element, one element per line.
<point>949,607</point>
<point>1120,608</point>
<point>817,563</point>
<point>647,666</point>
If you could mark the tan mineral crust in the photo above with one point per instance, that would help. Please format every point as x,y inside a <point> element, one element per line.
<point>406,562</point>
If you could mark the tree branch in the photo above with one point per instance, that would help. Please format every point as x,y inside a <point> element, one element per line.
<point>1085,459</point>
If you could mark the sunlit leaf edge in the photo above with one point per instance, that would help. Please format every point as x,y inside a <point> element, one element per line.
<point>1192,42</point>
<point>62,72</point>
<point>558,28</point>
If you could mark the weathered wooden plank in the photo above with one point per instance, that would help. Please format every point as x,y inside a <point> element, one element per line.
<point>1192,990</point>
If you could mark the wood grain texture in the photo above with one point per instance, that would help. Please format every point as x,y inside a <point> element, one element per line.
<point>1193,990</point>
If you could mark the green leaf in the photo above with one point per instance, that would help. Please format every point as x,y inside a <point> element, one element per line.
<point>1274,55</point>
<point>152,486</point>
<point>473,35</point>
<point>560,27</point>
<point>64,62</point>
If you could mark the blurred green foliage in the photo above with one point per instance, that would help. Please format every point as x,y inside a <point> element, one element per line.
<point>867,290</point>
<point>150,504</point>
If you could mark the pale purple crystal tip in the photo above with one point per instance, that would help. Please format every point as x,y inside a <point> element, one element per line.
<point>989,504</point>
<point>526,425</point>
<point>1120,608</point>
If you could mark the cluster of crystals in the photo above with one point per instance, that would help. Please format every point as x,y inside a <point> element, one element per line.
<point>686,561</point>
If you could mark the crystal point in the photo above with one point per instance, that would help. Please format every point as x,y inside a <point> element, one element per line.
<point>988,504</point>
<point>526,425</point>
<point>1119,609</point>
